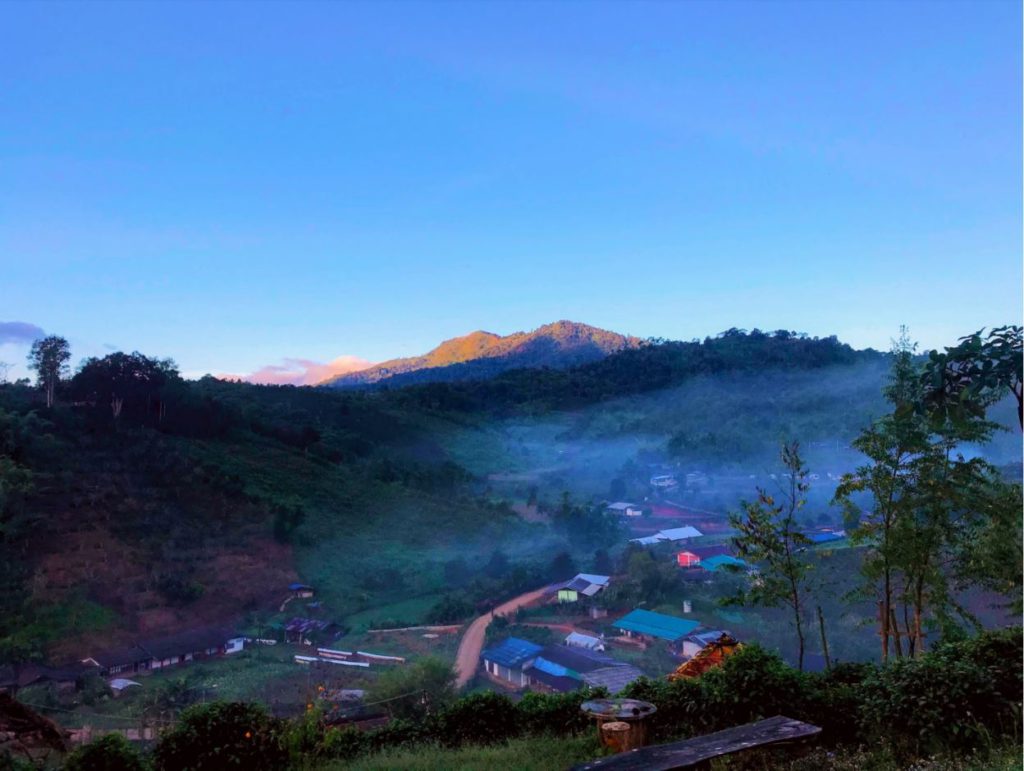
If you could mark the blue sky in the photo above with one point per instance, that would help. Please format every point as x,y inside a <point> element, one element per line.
<point>233,184</point>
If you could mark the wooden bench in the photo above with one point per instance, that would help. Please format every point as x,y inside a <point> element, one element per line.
<point>691,753</point>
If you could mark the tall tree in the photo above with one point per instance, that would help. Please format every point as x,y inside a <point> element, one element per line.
<point>926,500</point>
<point>49,359</point>
<point>890,444</point>
<point>769,537</point>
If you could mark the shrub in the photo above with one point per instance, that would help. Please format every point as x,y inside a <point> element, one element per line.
<point>482,718</point>
<point>220,736</point>
<point>557,713</point>
<point>109,753</point>
<point>930,703</point>
<point>751,685</point>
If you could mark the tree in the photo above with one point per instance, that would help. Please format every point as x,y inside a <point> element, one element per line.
<point>965,379</point>
<point>416,690</point>
<point>927,502</point>
<point>125,380</point>
<point>497,566</point>
<point>769,537</point>
<point>49,359</point>
<point>108,753</point>
<point>603,564</point>
<point>562,567</point>
<point>890,444</point>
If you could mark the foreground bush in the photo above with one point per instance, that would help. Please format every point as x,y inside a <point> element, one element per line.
<point>109,753</point>
<point>959,697</point>
<point>221,736</point>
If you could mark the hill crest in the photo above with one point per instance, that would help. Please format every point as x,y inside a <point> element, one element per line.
<point>484,354</point>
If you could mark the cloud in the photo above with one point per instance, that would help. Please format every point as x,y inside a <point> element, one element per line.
<point>19,332</point>
<point>302,371</point>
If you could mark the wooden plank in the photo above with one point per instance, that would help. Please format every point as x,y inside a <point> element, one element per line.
<point>691,752</point>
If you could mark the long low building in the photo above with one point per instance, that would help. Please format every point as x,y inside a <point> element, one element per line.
<point>646,625</point>
<point>669,535</point>
<point>558,668</point>
<point>160,652</point>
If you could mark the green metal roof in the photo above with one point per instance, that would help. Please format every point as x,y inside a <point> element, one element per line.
<point>714,563</point>
<point>656,624</point>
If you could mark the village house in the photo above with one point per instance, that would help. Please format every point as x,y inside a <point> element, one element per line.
<point>692,555</point>
<point>648,626</point>
<point>625,508</point>
<point>582,586</point>
<point>308,631</point>
<point>161,652</point>
<point>669,535</point>
<point>301,590</point>
<point>508,659</point>
<point>720,561</point>
<point>561,669</point>
<point>586,641</point>
<point>697,641</point>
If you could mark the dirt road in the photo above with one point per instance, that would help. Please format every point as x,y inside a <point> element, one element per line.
<point>472,641</point>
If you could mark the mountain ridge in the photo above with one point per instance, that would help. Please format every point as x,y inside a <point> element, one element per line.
<point>484,354</point>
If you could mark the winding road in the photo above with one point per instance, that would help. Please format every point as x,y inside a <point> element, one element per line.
<point>472,641</point>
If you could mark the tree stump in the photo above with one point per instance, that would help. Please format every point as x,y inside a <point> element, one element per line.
<point>619,736</point>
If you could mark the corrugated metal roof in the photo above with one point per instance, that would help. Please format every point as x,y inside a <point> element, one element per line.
<point>593,578</point>
<point>613,678</point>
<point>512,652</point>
<point>721,560</point>
<point>656,624</point>
<point>555,682</point>
<point>679,533</point>
<point>582,640</point>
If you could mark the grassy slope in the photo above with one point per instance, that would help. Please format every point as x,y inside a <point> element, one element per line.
<point>544,754</point>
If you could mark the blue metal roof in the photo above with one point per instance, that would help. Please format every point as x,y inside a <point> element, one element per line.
<point>512,652</point>
<point>823,537</point>
<point>720,560</point>
<point>656,624</point>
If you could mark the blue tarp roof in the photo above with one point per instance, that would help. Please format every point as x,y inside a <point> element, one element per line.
<point>512,652</point>
<point>656,624</point>
<point>552,668</point>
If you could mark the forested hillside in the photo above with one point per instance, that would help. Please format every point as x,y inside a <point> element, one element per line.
<point>140,501</point>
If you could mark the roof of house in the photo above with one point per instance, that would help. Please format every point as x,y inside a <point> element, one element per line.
<point>706,636</point>
<point>296,587</point>
<point>128,654</point>
<point>671,534</point>
<point>582,640</point>
<point>721,560</point>
<point>512,652</point>
<point>621,505</point>
<point>566,669</point>
<point>304,625</point>
<point>594,578</point>
<point>825,537</point>
<point>656,624</point>
<point>560,683</point>
<point>572,659</point>
<point>189,641</point>
<point>647,540</point>
<point>613,678</point>
<point>678,533</point>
